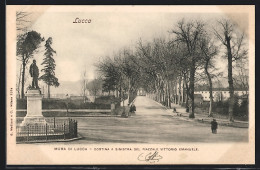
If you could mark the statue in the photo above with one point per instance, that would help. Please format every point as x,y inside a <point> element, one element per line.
<point>34,72</point>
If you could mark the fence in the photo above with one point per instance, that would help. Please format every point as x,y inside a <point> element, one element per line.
<point>34,132</point>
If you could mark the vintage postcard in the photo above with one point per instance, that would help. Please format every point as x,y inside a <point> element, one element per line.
<point>122,85</point>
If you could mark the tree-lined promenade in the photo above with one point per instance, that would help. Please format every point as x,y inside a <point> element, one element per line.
<point>185,59</point>
<point>152,124</point>
<point>168,69</point>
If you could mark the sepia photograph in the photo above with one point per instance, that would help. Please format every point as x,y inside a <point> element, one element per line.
<point>130,85</point>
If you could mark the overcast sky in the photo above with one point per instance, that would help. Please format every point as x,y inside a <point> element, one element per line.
<point>82,45</point>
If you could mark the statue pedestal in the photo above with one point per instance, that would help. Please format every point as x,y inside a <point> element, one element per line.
<point>34,108</point>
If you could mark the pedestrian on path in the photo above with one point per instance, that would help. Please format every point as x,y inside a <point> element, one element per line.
<point>132,108</point>
<point>214,126</point>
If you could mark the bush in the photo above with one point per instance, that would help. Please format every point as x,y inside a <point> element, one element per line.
<point>183,104</point>
<point>221,107</point>
<point>21,104</point>
<point>53,104</point>
<point>163,103</point>
<point>107,100</point>
<point>61,114</point>
<point>89,106</point>
<point>62,104</point>
<point>241,111</point>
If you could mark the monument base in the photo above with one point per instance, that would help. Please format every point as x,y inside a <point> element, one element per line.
<point>34,108</point>
<point>33,120</point>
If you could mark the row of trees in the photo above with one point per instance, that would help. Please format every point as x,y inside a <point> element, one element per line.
<point>160,66</point>
<point>121,74</point>
<point>28,43</point>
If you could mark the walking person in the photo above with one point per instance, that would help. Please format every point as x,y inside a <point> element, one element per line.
<point>214,126</point>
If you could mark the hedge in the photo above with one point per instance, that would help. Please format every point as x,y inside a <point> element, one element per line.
<point>62,104</point>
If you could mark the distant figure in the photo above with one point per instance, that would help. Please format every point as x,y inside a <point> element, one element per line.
<point>132,108</point>
<point>34,72</point>
<point>214,126</point>
<point>174,110</point>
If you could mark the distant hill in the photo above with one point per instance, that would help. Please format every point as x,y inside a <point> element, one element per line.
<point>66,87</point>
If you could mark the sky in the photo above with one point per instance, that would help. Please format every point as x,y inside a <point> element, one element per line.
<point>80,46</point>
<point>83,45</point>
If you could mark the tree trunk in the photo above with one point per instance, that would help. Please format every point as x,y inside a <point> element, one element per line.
<point>175,92</point>
<point>162,96</point>
<point>84,91</point>
<point>210,89</point>
<point>129,87</point>
<point>169,95</point>
<point>49,96</point>
<point>23,74</point>
<point>192,77</point>
<point>187,102</point>
<point>19,82</point>
<point>230,81</point>
<point>166,95</point>
<point>120,93</point>
<point>43,91</point>
<point>187,94</point>
<point>159,96</point>
<point>179,91</point>
<point>210,107</point>
<point>116,93</point>
<point>183,92</point>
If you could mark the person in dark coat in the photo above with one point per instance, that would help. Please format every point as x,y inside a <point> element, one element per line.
<point>214,126</point>
<point>34,72</point>
<point>132,108</point>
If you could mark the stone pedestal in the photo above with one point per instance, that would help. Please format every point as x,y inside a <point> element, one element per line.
<point>34,108</point>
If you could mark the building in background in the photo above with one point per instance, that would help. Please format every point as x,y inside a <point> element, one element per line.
<point>220,94</point>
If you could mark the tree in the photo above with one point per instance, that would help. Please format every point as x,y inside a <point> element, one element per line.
<point>22,21</point>
<point>189,33</point>
<point>95,86</point>
<point>25,47</point>
<point>209,51</point>
<point>131,72</point>
<point>123,83</point>
<point>233,41</point>
<point>159,68</point>
<point>183,74</point>
<point>49,67</point>
<point>21,27</point>
<point>241,77</point>
<point>110,74</point>
<point>19,82</point>
<point>84,83</point>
